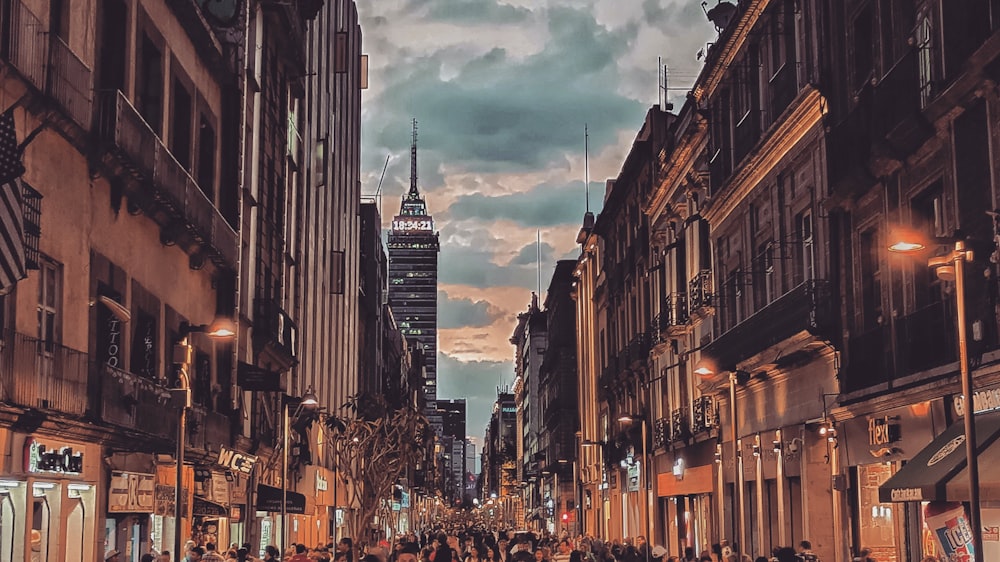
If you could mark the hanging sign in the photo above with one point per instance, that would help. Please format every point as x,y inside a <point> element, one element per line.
<point>236,461</point>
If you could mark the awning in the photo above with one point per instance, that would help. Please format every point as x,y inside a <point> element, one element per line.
<point>208,508</point>
<point>269,499</point>
<point>938,472</point>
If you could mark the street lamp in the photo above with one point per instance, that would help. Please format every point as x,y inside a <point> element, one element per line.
<point>947,267</point>
<point>706,369</point>
<point>308,402</point>
<point>183,351</point>
<point>630,418</point>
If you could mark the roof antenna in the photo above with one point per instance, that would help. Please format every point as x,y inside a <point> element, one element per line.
<point>586,162</point>
<point>538,252</point>
<point>413,161</point>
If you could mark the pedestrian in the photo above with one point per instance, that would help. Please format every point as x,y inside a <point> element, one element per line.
<point>111,555</point>
<point>865,555</point>
<point>271,553</point>
<point>805,553</point>
<point>211,555</point>
<point>300,554</point>
<point>148,557</point>
<point>930,558</point>
<point>164,556</point>
<point>786,554</point>
<point>689,554</point>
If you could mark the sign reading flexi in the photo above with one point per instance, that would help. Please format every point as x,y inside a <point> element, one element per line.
<point>236,461</point>
<point>39,458</point>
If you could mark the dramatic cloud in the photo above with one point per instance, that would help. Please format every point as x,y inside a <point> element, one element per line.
<point>502,90</point>
<point>459,313</point>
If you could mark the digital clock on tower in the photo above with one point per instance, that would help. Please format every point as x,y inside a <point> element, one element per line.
<point>412,224</point>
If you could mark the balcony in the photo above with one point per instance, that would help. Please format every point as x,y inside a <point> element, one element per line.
<point>850,149</point>
<point>274,334</point>
<point>700,293</point>
<point>807,307</point>
<point>132,402</point>
<point>680,429</point>
<point>638,349</point>
<point>26,42</point>
<point>661,433</point>
<point>42,375</point>
<point>675,311</point>
<point>163,188</point>
<point>925,339</point>
<point>745,135</point>
<point>869,361</point>
<point>208,429</point>
<point>897,110</point>
<point>704,414</point>
<point>783,87</point>
<point>70,83</point>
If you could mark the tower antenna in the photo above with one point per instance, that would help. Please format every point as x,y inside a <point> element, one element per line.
<point>586,162</point>
<point>413,161</point>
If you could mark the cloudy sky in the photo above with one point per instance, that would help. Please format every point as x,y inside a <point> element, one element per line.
<point>502,90</point>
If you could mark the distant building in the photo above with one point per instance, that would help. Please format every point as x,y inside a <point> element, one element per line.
<point>413,273</point>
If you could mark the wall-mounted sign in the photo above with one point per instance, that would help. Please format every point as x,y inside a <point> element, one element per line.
<point>882,433</point>
<point>321,484</point>
<point>633,477</point>
<point>253,378</point>
<point>236,461</point>
<point>163,500</point>
<point>206,508</point>
<point>983,400</point>
<point>131,492</point>
<point>39,458</point>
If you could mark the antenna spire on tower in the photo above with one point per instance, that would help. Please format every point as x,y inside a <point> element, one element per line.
<point>413,161</point>
<point>586,162</point>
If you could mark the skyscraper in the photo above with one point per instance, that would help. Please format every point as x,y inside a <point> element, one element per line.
<point>413,272</point>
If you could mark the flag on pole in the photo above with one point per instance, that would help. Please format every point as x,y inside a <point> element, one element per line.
<point>12,267</point>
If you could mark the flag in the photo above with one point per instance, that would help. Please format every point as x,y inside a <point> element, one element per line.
<point>11,214</point>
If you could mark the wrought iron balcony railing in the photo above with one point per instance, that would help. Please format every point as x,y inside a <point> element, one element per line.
<point>43,375</point>
<point>661,433</point>
<point>676,309</point>
<point>137,403</point>
<point>704,414</point>
<point>275,332</point>
<point>700,291</point>
<point>680,429</point>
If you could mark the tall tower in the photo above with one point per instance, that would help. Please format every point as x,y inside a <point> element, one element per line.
<point>413,275</point>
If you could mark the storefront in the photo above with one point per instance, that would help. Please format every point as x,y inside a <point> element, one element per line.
<point>49,492</point>
<point>130,507</point>
<point>875,447</point>
<point>163,522</point>
<point>685,492</point>
<point>210,510</point>
<point>268,515</point>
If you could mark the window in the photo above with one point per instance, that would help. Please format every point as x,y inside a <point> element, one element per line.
<point>871,279</point>
<point>206,157</point>
<point>112,48</point>
<point>862,47</point>
<point>59,19</point>
<point>925,59</point>
<point>149,90</point>
<point>180,125</point>
<point>927,217</point>
<point>806,256</point>
<point>31,202</point>
<point>49,303</point>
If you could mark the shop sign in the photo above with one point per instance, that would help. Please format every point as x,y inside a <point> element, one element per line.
<point>907,494</point>
<point>236,514</point>
<point>131,492</point>
<point>321,484</point>
<point>633,477</point>
<point>38,458</point>
<point>882,432</point>
<point>163,500</point>
<point>236,461</point>
<point>206,508</point>
<point>983,400</point>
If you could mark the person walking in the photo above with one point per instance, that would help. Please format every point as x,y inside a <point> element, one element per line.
<point>805,553</point>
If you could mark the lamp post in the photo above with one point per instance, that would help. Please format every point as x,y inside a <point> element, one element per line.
<point>308,401</point>
<point>220,328</point>
<point>644,465</point>
<point>952,265</point>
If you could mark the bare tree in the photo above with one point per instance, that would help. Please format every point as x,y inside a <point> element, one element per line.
<point>371,447</point>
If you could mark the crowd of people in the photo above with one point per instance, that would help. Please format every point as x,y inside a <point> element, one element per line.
<point>480,545</point>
